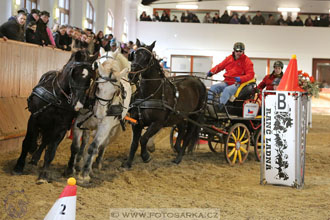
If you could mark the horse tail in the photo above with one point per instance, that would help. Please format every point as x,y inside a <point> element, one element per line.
<point>194,132</point>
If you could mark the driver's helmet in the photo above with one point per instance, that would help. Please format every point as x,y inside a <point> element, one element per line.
<point>278,64</point>
<point>239,46</point>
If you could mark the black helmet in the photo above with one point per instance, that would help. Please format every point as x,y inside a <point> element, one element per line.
<point>278,64</point>
<point>239,46</point>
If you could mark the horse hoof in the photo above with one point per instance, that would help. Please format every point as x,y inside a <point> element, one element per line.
<point>146,159</point>
<point>68,172</point>
<point>151,148</point>
<point>33,162</point>
<point>16,172</point>
<point>176,161</point>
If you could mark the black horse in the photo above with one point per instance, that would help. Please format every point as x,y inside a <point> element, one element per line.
<point>162,102</point>
<point>53,104</point>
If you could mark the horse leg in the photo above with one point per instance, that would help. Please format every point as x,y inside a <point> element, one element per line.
<point>151,144</point>
<point>181,128</point>
<point>113,134</point>
<point>77,133</point>
<point>134,145</point>
<point>28,145</point>
<point>151,131</point>
<point>79,162</point>
<point>37,154</point>
<point>54,141</point>
<point>101,138</point>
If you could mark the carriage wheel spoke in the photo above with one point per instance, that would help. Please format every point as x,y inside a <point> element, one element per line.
<point>231,144</point>
<point>238,132</point>
<point>234,137</point>
<point>242,149</point>
<point>235,156</point>
<point>245,141</point>
<point>231,152</point>
<point>239,156</point>
<point>242,136</point>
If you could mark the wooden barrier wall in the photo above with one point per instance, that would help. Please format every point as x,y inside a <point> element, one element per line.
<point>21,66</point>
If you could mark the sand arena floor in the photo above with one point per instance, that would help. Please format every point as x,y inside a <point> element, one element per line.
<point>202,180</point>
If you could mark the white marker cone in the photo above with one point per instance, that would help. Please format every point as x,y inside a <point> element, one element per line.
<point>65,206</point>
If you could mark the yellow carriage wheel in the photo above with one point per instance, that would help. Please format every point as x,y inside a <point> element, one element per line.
<point>237,144</point>
<point>257,146</point>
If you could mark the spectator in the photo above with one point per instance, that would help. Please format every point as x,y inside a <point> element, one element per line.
<point>22,10</point>
<point>68,38</point>
<point>244,19</point>
<point>289,21</point>
<point>195,19</point>
<point>90,42</point>
<point>216,19</point>
<point>125,50</point>
<point>165,17</point>
<point>225,18</point>
<point>298,22</point>
<point>207,18</point>
<point>14,29</point>
<point>271,20</point>
<point>83,40</point>
<point>324,21</point>
<point>143,16</point>
<point>175,19</point>
<point>156,17</point>
<point>183,17</point>
<point>131,50</point>
<point>98,41</point>
<point>190,16</point>
<point>309,21</point>
<point>76,42</point>
<point>234,19</point>
<point>59,38</point>
<point>106,42</point>
<point>31,35</point>
<point>258,19</point>
<point>42,28</point>
<point>316,21</point>
<point>113,44</point>
<point>239,69</point>
<point>281,21</point>
<point>33,16</point>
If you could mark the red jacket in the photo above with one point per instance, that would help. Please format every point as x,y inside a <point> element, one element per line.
<point>242,68</point>
<point>267,82</point>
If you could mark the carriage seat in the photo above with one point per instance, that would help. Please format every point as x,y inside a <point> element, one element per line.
<point>244,91</point>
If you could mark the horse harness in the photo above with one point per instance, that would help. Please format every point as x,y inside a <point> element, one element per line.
<point>51,97</point>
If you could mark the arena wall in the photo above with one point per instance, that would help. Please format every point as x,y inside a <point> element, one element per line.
<point>21,67</point>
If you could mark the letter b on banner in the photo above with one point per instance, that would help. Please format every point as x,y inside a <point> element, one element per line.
<point>281,105</point>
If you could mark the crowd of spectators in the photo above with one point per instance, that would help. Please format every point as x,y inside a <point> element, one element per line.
<point>235,18</point>
<point>33,28</point>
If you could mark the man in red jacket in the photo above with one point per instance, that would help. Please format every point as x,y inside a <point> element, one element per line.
<point>239,69</point>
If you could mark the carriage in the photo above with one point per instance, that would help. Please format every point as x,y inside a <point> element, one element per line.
<point>235,128</point>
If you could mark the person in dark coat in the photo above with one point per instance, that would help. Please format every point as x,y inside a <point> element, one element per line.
<point>31,35</point>
<point>67,38</point>
<point>42,28</point>
<point>225,18</point>
<point>59,38</point>
<point>14,29</point>
<point>298,22</point>
<point>33,16</point>
<point>258,19</point>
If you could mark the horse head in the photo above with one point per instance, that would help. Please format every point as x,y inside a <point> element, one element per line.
<point>76,78</point>
<point>108,83</point>
<point>143,61</point>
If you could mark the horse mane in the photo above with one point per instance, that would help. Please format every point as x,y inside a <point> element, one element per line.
<point>123,61</point>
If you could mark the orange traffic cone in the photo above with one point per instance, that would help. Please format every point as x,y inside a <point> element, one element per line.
<point>65,206</point>
<point>289,81</point>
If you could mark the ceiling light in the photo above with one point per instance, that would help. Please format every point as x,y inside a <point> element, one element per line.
<point>187,6</point>
<point>289,9</point>
<point>238,8</point>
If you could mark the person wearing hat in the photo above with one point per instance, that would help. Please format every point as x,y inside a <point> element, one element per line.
<point>239,69</point>
<point>42,28</point>
<point>14,29</point>
<point>31,35</point>
<point>33,16</point>
<point>113,44</point>
<point>271,81</point>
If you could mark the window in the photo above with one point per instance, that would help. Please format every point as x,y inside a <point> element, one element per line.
<point>30,4</point>
<point>110,22</point>
<point>89,15</point>
<point>125,30</point>
<point>64,11</point>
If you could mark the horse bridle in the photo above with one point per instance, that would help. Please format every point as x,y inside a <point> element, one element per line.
<point>143,69</point>
<point>72,83</point>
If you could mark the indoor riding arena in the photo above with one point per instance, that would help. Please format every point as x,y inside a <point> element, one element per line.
<point>222,174</point>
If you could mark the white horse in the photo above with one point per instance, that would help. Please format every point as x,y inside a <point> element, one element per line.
<point>113,95</point>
